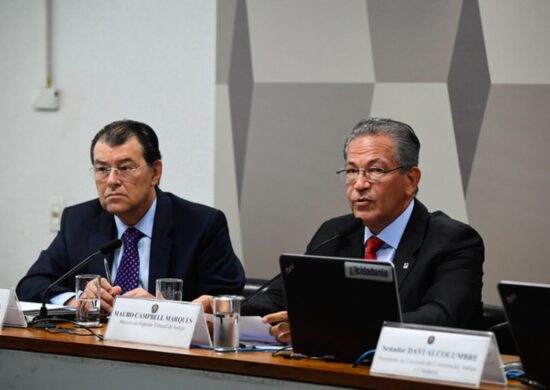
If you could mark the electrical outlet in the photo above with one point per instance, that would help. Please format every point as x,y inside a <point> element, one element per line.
<point>46,99</point>
<point>56,206</point>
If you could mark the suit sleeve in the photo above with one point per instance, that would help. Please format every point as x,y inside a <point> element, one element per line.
<point>219,269</point>
<point>453,286</point>
<point>51,264</point>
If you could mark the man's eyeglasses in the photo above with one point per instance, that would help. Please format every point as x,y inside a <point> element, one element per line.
<point>124,172</point>
<point>372,175</point>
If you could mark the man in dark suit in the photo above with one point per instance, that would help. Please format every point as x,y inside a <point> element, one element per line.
<point>438,260</point>
<point>174,237</point>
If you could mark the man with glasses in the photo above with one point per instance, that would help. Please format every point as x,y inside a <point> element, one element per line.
<point>163,235</point>
<point>438,260</point>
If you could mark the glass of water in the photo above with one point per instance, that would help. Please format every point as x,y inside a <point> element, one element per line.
<point>169,288</point>
<point>88,300</point>
<point>227,312</point>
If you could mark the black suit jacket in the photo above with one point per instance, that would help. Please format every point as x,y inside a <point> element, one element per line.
<point>438,264</point>
<point>189,241</point>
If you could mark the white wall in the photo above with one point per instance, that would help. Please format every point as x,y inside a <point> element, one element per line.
<point>152,61</point>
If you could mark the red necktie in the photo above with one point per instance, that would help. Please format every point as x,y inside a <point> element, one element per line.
<point>373,244</point>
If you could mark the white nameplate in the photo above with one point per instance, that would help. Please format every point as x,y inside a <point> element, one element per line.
<point>158,322</point>
<point>436,354</point>
<point>10,312</point>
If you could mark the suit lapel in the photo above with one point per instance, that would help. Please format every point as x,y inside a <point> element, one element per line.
<point>353,246</point>
<point>405,256</point>
<point>161,241</point>
<point>324,243</point>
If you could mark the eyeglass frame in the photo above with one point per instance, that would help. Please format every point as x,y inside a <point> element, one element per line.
<point>124,173</point>
<point>367,172</point>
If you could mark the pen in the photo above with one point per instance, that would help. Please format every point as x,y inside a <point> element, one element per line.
<point>107,272</point>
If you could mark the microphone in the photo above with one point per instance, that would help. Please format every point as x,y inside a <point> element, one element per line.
<point>344,231</point>
<point>261,289</point>
<point>104,250</point>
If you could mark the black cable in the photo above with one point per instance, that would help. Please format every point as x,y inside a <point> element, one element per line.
<point>73,331</point>
<point>498,326</point>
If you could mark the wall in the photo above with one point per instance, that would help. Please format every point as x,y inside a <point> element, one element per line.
<point>472,78</point>
<point>263,141</point>
<point>149,61</point>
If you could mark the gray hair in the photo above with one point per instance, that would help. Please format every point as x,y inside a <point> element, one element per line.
<point>407,145</point>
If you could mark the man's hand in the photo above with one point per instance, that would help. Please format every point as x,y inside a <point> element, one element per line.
<point>281,329</point>
<point>108,295</point>
<point>207,303</point>
<point>208,306</point>
<point>138,293</point>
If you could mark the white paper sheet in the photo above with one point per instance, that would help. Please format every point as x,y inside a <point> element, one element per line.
<point>252,330</point>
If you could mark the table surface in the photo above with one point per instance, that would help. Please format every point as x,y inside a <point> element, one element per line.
<point>260,364</point>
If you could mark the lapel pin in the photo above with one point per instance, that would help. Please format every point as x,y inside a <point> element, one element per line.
<point>406,266</point>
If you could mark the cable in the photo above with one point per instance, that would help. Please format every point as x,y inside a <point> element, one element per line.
<point>529,382</point>
<point>513,371</point>
<point>513,374</point>
<point>363,357</point>
<point>242,348</point>
<point>499,326</point>
<point>42,323</point>
<point>73,331</point>
<point>280,351</point>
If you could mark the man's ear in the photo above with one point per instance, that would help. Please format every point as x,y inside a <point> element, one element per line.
<point>157,172</point>
<point>413,178</point>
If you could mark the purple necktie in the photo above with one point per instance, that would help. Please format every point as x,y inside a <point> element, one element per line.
<point>127,276</point>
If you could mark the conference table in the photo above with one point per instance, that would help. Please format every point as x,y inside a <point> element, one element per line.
<point>35,358</point>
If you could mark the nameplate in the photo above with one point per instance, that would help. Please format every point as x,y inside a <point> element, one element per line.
<point>10,312</point>
<point>436,354</point>
<point>157,322</point>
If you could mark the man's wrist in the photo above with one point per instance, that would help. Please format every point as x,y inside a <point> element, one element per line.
<point>63,298</point>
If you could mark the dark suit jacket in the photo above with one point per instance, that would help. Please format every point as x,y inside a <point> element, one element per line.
<point>189,241</point>
<point>438,264</point>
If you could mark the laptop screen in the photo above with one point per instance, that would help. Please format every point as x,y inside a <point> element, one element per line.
<point>337,306</point>
<point>526,307</point>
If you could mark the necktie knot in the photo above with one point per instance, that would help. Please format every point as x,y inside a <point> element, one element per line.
<point>373,244</point>
<point>131,236</point>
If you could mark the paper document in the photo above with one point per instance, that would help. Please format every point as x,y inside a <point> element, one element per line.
<point>29,306</point>
<point>252,330</point>
<point>32,310</point>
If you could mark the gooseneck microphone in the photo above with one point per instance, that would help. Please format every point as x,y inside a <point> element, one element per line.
<point>104,250</point>
<point>344,231</point>
<point>261,289</point>
<point>340,233</point>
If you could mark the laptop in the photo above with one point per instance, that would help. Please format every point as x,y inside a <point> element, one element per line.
<point>337,306</point>
<point>527,308</point>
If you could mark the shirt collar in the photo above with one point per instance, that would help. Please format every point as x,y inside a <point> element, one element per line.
<point>145,224</point>
<point>391,235</point>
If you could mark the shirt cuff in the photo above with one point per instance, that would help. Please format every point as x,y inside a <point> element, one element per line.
<point>62,298</point>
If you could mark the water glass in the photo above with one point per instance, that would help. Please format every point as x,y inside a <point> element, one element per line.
<point>169,288</point>
<point>226,312</point>
<point>88,300</point>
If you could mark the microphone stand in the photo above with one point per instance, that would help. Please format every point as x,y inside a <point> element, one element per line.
<point>42,320</point>
<point>354,224</point>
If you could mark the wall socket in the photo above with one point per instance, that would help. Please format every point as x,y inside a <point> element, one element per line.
<point>56,206</point>
<point>46,99</point>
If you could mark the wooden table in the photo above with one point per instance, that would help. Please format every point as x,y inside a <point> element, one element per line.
<point>33,358</point>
